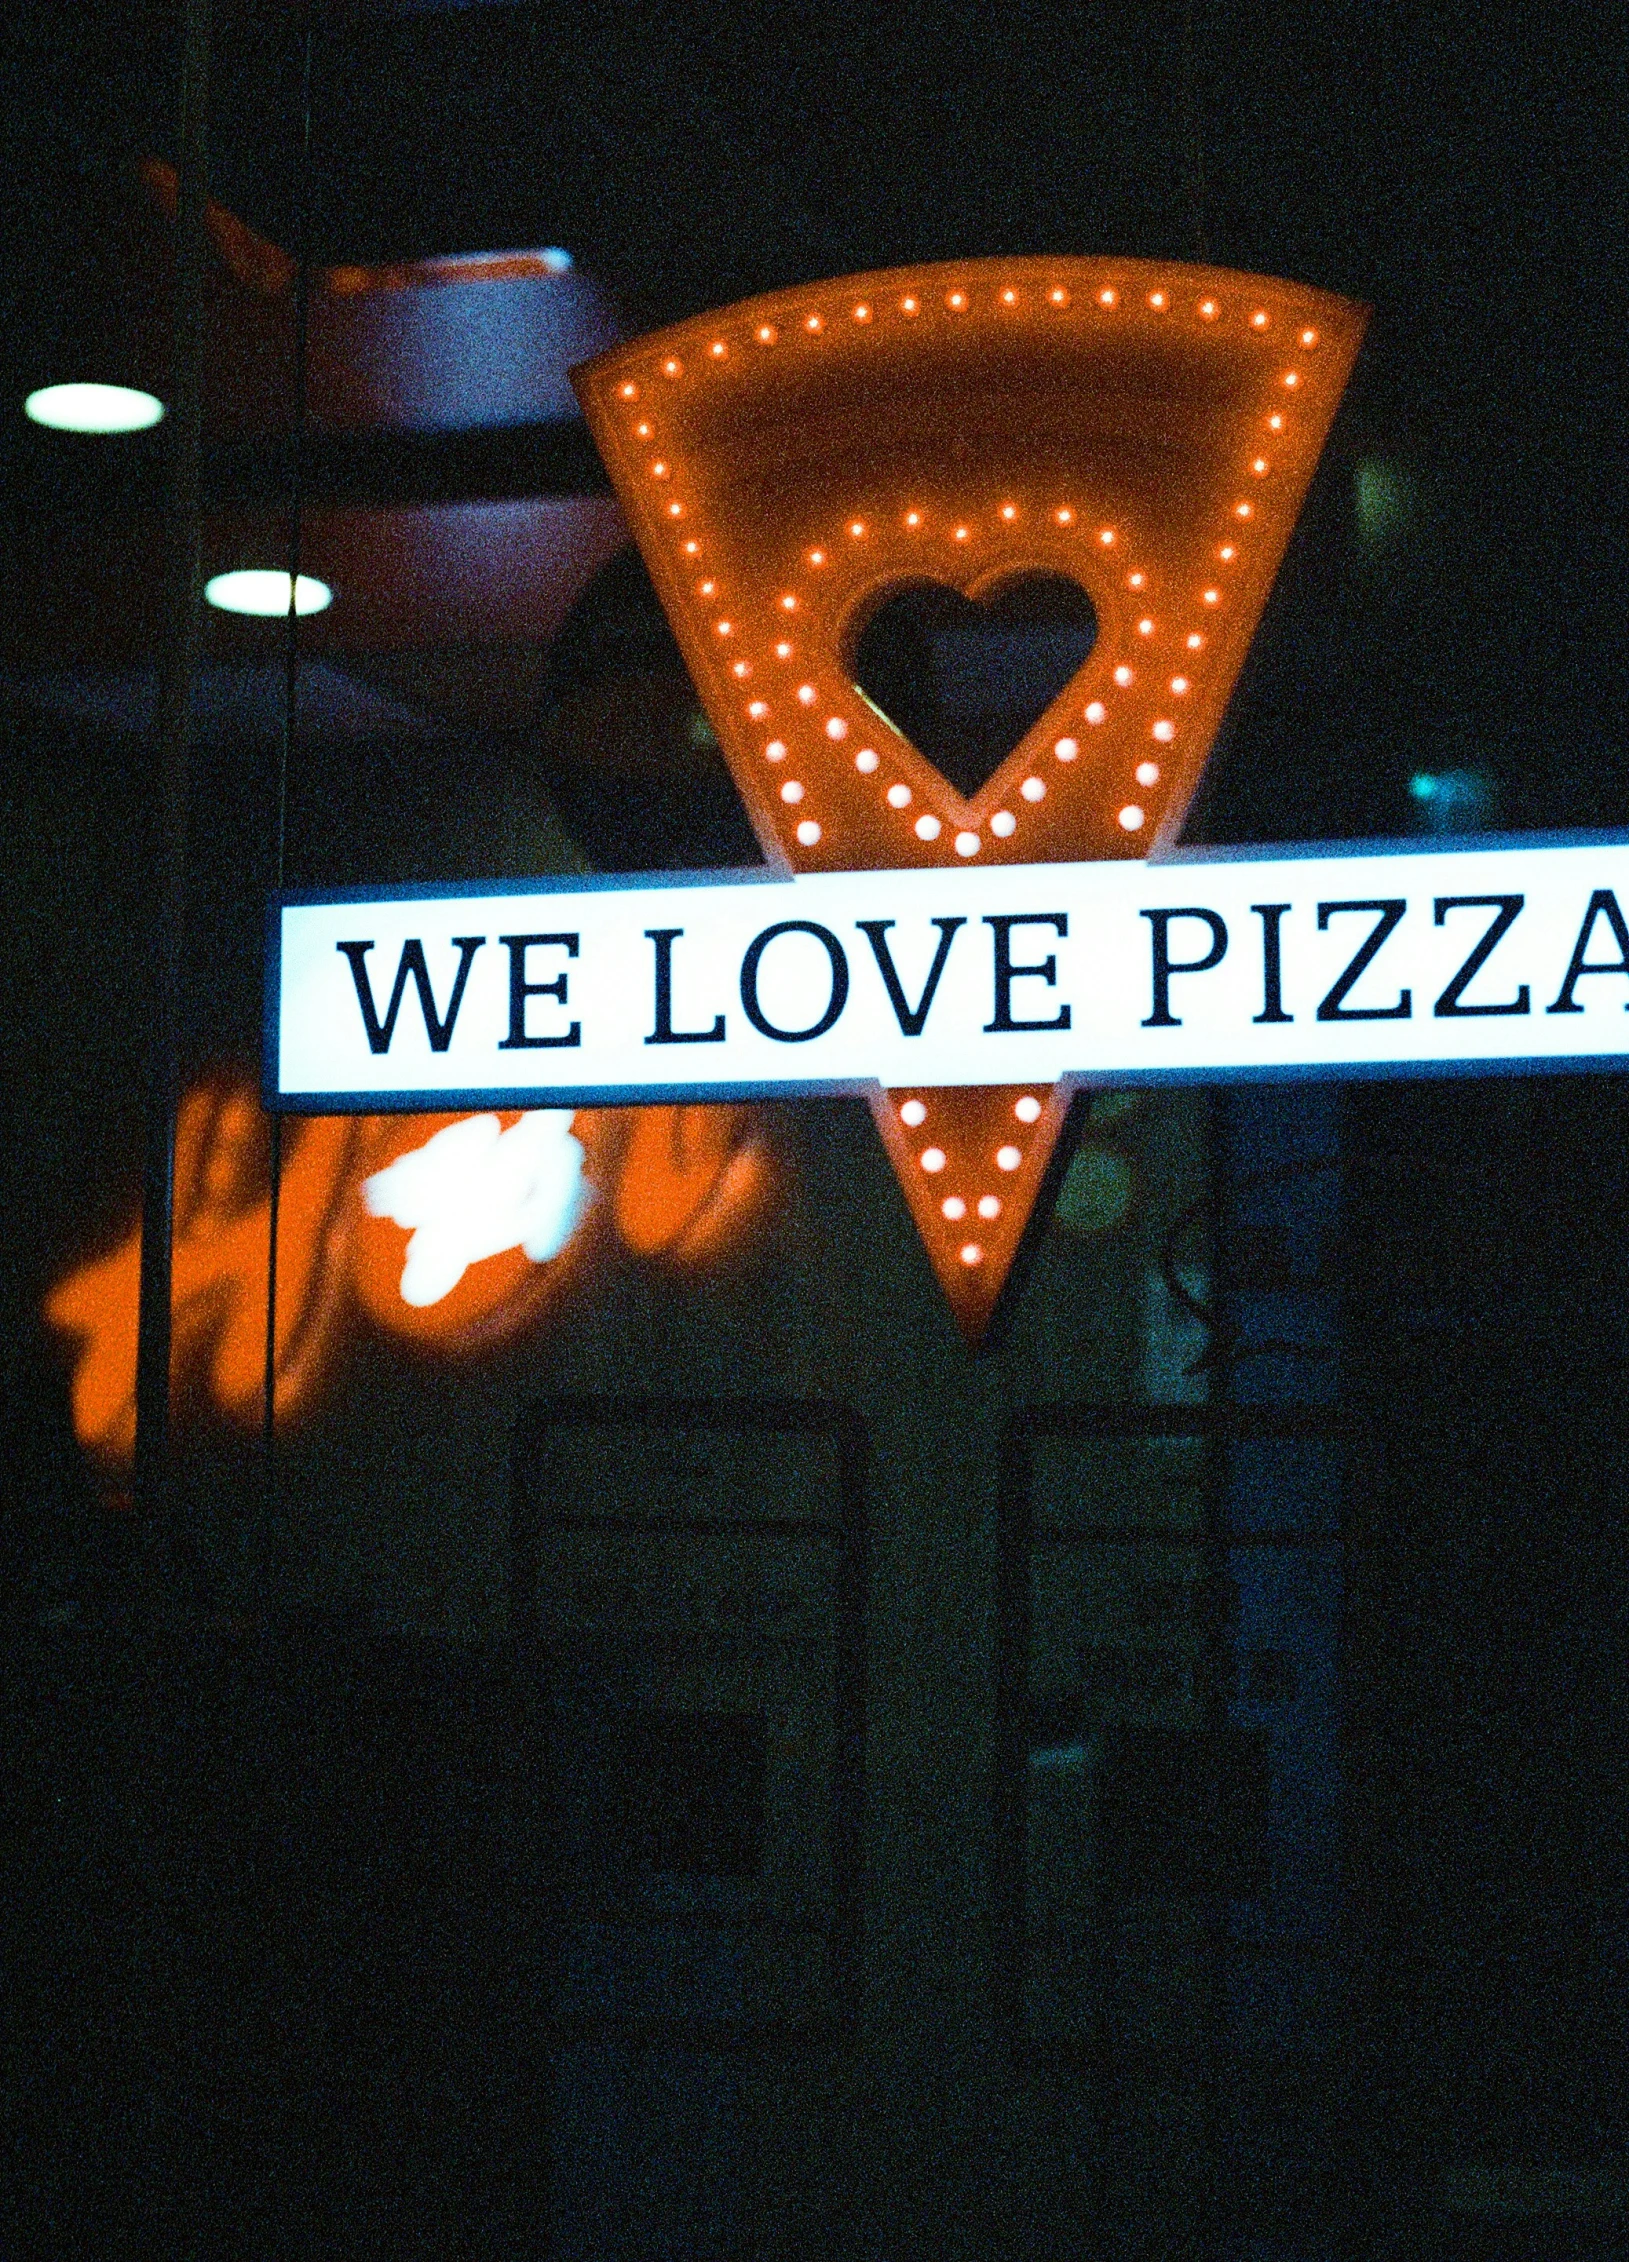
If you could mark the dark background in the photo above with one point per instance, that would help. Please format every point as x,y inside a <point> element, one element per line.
<point>1456,606</point>
<point>1458,168</point>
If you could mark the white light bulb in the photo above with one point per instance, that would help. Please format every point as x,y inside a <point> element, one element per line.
<point>94,408</point>
<point>263,592</point>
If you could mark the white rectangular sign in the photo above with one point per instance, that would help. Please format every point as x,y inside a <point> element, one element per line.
<point>1212,966</point>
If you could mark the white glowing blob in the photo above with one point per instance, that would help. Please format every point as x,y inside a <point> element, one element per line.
<point>93,408</point>
<point>1028,1110</point>
<point>913,1113</point>
<point>263,592</point>
<point>475,1190</point>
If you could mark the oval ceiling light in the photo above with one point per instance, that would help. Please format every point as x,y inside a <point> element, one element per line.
<point>263,591</point>
<point>93,408</point>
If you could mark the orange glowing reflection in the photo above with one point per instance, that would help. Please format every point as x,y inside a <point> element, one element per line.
<point>219,1273</point>
<point>674,1170</point>
<point>677,1182</point>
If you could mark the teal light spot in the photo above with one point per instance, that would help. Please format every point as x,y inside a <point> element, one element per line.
<point>1383,501</point>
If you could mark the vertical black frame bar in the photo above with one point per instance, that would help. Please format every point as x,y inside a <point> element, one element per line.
<point>173,749</point>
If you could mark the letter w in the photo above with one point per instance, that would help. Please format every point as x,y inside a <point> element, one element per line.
<point>438,1031</point>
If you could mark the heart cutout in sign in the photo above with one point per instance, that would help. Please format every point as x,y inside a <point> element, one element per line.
<point>964,677</point>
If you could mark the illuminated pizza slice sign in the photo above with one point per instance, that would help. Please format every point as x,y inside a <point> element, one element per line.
<point>1141,430</point>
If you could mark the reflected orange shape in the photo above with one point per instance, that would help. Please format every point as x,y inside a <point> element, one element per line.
<point>681,1181</point>
<point>497,1297</point>
<point>1146,428</point>
<point>219,1272</point>
<point>675,1191</point>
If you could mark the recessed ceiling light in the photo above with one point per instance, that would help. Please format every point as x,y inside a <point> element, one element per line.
<point>263,591</point>
<point>93,408</point>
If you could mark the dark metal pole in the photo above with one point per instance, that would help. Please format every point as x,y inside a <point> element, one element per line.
<point>291,681</point>
<point>1215,1663</point>
<point>169,859</point>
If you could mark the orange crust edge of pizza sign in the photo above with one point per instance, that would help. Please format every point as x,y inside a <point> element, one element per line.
<point>1146,429</point>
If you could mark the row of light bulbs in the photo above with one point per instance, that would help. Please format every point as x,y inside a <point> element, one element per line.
<point>933,1159</point>
<point>1132,816</point>
<point>1058,299</point>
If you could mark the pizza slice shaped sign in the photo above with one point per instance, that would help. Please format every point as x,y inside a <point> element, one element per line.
<point>891,518</point>
<point>961,437</point>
